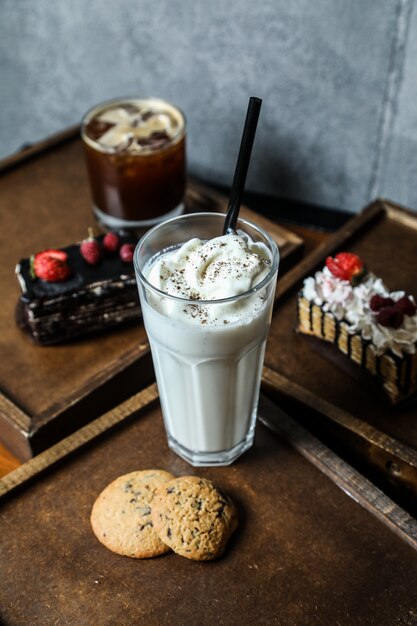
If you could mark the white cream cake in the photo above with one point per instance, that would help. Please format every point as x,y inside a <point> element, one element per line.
<point>377,329</point>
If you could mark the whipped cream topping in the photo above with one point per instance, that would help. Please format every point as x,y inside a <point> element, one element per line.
<point>138,125</point>
<point>352,304</point>
<point>220,268</point>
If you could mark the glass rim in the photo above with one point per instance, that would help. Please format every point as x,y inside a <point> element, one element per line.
<point>93,143</point>
<point>273,248</point>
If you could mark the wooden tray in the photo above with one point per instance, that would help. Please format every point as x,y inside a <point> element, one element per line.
<point>304,552</point>
<point>340,408</point>
<point>48,392</point>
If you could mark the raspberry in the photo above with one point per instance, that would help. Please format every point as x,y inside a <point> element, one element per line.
<point>111,243</point>
<point>51,265</point>
<point>387,302</point>
<point>390,317</point>
<point>90,249</point>
<point>406,306</point>
<point>126,252</point>
<point>379,302</point>
<point>376,303</point>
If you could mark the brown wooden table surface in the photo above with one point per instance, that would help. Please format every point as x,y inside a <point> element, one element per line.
<point>305,552</point>
<point>343,561</point>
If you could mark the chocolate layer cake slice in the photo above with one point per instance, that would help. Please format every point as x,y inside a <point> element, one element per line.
<point>71,297</point>
<point>375,328</point>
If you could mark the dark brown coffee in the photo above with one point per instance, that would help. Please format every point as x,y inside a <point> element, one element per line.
<point>135,154</point>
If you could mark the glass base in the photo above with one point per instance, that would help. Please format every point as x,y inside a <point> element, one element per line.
<point>109,222</point>
<point>212,459</point>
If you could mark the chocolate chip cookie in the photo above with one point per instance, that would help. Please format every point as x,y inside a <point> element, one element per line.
<point>121,516</point>
<point>193,517</point>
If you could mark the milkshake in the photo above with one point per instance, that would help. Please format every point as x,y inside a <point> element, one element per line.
<point>206,301</point>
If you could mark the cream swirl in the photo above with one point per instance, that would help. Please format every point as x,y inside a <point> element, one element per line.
<point>139,125</point>
<point>220,268</point>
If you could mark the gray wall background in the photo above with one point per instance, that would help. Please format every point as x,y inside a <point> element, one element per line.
<point>338,81</point>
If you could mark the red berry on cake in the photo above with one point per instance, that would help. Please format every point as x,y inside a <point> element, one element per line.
<point>390,317</point>
<point>126,252</point>
<point>379,302</point>
<point>111,243</point>
<point>387,302</point>
<point>406,306</point>
<point>376,303</point>
<point>346,266</point>
<point>90,249</point>
<point>51,266</point>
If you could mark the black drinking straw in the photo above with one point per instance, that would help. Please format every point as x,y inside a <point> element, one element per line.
<point>242,164</point>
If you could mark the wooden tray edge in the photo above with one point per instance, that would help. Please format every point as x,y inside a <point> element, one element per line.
<point>95,382</point>
<point>336,469</point>
<point>355,225</point>
<point>33,150</point>
<point>374,211</point>
<point>391,452</point>
<point>47,459</point>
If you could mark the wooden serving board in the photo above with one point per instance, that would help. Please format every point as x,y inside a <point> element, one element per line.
<point>334,401</point>
<point>304,553</point>
<point>48,392</point>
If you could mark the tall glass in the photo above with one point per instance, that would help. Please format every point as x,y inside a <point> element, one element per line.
<point>208,374</point>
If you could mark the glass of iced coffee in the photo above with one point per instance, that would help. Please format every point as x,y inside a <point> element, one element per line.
<point>135,155</point>
<point>206,301</point>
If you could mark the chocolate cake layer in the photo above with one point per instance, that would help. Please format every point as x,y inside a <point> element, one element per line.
<point>93,299</point>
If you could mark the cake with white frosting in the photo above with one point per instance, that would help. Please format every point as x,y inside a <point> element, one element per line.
<point>353,309</point>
